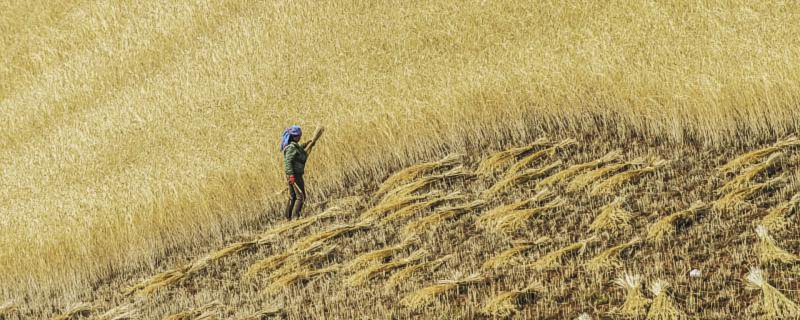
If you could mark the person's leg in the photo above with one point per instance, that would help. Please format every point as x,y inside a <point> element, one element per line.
<point>301,195</point>
<point>292,199</point>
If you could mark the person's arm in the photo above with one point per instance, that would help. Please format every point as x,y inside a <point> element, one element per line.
<point>288,157</point>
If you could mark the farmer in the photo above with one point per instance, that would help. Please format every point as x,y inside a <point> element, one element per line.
<point>294,162</point>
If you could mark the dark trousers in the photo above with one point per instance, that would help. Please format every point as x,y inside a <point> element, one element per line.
<point>297,195</point>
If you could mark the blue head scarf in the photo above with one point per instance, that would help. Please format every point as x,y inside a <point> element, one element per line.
<point>293,131</point>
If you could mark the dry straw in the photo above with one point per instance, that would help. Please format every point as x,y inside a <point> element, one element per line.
<point>553,259</point>
<point>78,310</point>
<point>301,274</point>
<point>776,219</point>
<point>425,296</point>
<point>122,312</point>
<point>635,304</point>
<point>418,226</point>
<point>488,217</point>
<point>379,254</point>
<point>659,230</point>
<point>507,256</point>
<point>541,154</point>
<point>608,259</point>
<point>330,233</point>
<point>505,304</point>
<point>617,180</point>
<point>497,160</point>
<point>768,251</point>
<point>405,190</point>
<point>420,206</point>
<point>413,172</point>
<point>582,181</point>
<point>751,172</point>
<point>517,219</point>
<point>772,303</point>
<point>756,155</point>
<point>273,312</point>
<point>7,309</point>
<point>520,178</point>
<point>395,203</point>
<point>377,269</point>
<point>208,311</point>
<point>563,175</point>
<point>738,196</point>
<point>662,307</point>
<point>402,275</point>
<point>611,217</point>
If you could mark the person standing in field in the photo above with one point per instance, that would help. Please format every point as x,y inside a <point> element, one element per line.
<point>295,155</point>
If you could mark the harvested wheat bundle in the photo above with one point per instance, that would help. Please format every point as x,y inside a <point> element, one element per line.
<point>379,254</point>
<point>505,303</point>
<point>415,171</point>
<point>662,307</point>
<point>122,312</point>
<point>7,308</point>
<point>404,274</point>
<point>659,230</point>
<point>208,311</point>
<point>298,224</point>
<point>414,208</point>
<point>425,296</point>
<point>495,161</point>
<point>608,258</point>
<point>332,232</point>
<point>493,214</point>
<point>520,178</point>
<point>273,312</point>
<point>269,263</point>
<point>748,174</point>
<point>544,153</point>
<point>616,180</point>
<point>78,310</point>
<point>201,263</point>
<point>507,256</point>
<point>772,303</point>
<point>414,186</point>
<point>395,203</point>
<point>738,196</point>
<point>159,280</point>
<point>517,219</point>
<point>374,270</point>
<point>563,175</point>
<point>776,219</point>
<point>635,304</point>
<point>756,155</point>
<point>582,181</point>
<point>301,260</point>
<point>612,216</point>
<point>768,251</point>
<point>552,260</point>
<point>418,226</point>
<point>302,274</point>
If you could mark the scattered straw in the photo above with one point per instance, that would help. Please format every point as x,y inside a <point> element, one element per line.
<point>303,274</point>
<point>552,260</point>
<point>417,207</point>
<point>412,172</point>
<point>520,178</point>
<point>274,312</point>
<point>425,296</point>
<point>768,251</point>
<point>517,219</point>
<point>776,219</point>
<point>499,159</point>
<point>332,232</point>
<point>756,155</point>
<point>541,154</point>
<point>772,302</point>
<point>395,203</point>
<point>748,174</point>
<point>659,230</point>
<point>582,181</point>
<point>431,221</point>
<point>504,304</point>
<point>406,273</point>
<point>488,217</point>
<point>380,254</point>
<point>612,216</point>
<point>419,184</point>
<point>374,270</point>
<point>122,312</point>
<point>617,180</point>
<point>635,304</point>
<point>608,259</point>
<point>78,310</point>
<point>507,256</point>
<point>662,307</point>
<point>563,175</point>
<point>208,311</point>
<point>269,263</point>
<point>738,196</point>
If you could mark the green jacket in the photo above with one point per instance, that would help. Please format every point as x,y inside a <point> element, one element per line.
<point>294,159</point>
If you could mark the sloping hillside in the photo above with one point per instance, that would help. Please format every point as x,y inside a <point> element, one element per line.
<point>551,228</point>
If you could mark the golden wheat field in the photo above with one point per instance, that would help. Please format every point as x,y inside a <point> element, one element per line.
<point>481,159</point>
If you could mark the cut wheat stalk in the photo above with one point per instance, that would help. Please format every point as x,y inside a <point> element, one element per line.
<point>301,274</point>
<point>417,207</point>
<point>208,311</point>
<point>750,173</point>
<point>492,215</point>
<point>611,217</point>
<point>413,172</point>
<point>582,181</point>
<point>395,203</point>
<point>738,196</point>
<point>635,304</point>
<point>426,181</point>
<point>772,303</point>
<point>122,312</point>
<point>425,296</point>
<point>158,281</point>
<point>498,160</point>
<point>402,275</point>
<point>618,179</point>
<point>776,218</point>
<point>553,259</point>
<point>269,263</point>
<point>768,251</point>
<point>541,154</point>
<point>608,259</point>
<point>507,256</point>
<point>756,155</point>
<point>273,312</point>
<point>379,254</point>
<point>662,307</point>
<point>372,271</point>
<point>563,175</point>
<point>7,309</point>
<point>332,232</point>
<point>520,178</point>
<point>517,219</point>
<point>418,226</point>
<point>298,224</point>
<point>78,310</point>
<point>661,229</point>
<point>505,304</point>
